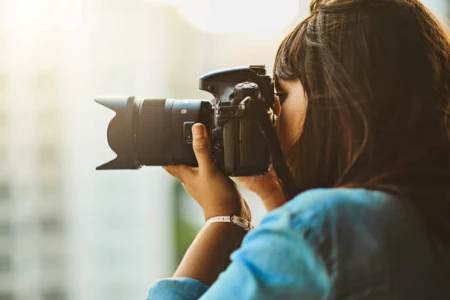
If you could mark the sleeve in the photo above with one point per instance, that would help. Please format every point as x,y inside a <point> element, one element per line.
<point>176,289</point>
<point>275,261</point>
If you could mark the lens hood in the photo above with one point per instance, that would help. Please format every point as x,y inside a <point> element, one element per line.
<point>122,132</point>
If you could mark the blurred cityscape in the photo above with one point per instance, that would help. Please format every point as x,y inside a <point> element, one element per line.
<point>66,230</point>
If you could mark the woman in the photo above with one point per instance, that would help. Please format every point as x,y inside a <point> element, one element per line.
<point>364,124</point>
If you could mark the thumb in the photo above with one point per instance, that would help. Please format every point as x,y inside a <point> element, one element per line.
<point>201,146</point>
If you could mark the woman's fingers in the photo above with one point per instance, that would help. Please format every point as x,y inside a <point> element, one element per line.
<point>202,149</point>
<point>179,171</point>
<point>216,194</point>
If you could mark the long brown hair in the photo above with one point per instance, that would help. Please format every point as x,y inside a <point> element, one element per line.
<point>376,74</point>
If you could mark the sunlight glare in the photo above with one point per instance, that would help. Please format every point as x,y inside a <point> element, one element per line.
<point>245,17</point>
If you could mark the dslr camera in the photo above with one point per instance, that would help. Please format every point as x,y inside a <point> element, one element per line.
<point>157,132</point>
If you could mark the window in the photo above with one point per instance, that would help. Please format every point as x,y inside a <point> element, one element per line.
<point>51,261</point>
<point>48,154</point>
<point>6,296</point>
<point>5,229</point>
<point>50,190</point>
<point>5,191</point>
<point>47,91</point>
<point>3,118</point>
<point>5,263</point>
<point>3,81</point>
<point>48,117</point>
<point>46,83</point>
<point>51,224</point>
<point>54,295</point>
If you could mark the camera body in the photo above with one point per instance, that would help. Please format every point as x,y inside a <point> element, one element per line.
<point>158,131</point>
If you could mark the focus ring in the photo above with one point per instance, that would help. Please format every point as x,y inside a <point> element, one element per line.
<point>150,133</point>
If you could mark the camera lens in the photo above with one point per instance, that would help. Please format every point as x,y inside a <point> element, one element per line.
<point>153,132</point>
<point>164,130</point>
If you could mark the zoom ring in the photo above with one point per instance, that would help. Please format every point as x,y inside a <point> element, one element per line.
<point>151,132</point>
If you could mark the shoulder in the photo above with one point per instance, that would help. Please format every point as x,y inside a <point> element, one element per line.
<point>338,198</point>
<point>344,216</point>
<point>320,239</point>
<point>338,241</point>
<point>334,204</point>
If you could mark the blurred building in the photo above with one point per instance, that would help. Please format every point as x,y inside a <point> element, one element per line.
<point>66,231</point>
<point>33,236</point>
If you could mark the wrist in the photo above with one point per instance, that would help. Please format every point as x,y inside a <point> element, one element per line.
<point>237,221</point>
<point>236,209</point>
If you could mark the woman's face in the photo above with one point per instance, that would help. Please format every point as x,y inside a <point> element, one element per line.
<point>292,97</point>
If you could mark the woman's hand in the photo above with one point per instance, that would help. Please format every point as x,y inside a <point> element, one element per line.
<point>266,187</point>
<point>215,193</point>
<point>209,253</point>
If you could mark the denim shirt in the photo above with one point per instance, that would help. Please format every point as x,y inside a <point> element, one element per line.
<point>329,244</point>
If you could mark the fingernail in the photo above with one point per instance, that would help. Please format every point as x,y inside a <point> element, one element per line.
<point>197,131</point>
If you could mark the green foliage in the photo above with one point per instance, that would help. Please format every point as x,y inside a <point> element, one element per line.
<point>185,230</point>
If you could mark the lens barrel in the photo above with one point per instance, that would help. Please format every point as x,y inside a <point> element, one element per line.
<point>164,130</point>
<point>153,132</point>
<point>150,132</point>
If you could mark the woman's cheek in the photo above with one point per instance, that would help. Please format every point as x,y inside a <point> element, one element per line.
<point>290,127</point>
<point>284,131</point>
